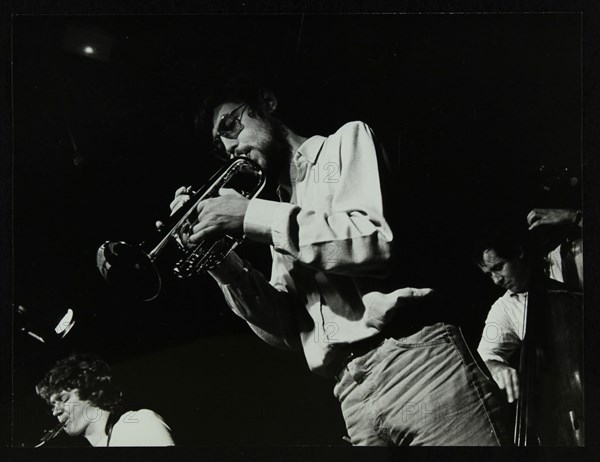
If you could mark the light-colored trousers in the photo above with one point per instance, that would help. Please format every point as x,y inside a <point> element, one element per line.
<point>423,389</point>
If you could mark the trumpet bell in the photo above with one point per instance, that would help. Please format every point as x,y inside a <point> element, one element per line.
<point>136,270</point>
<point>129,270</point>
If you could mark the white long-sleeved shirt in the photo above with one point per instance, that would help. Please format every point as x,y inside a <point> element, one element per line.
<point>505,327</point>
<point>328,244</point>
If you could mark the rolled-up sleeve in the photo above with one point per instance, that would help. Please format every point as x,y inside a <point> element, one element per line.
<point>499,339</point>
<point>349,236</point>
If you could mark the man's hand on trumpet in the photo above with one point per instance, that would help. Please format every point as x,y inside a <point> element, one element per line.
<point>216,216</point>
<point>182,195</point>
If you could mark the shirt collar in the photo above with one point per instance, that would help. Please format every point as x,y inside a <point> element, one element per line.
<point>517,295</point>
<point>311,148</point>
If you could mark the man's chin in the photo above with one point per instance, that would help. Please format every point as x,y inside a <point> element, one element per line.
<point>517,289</point>
<point>69,430</point>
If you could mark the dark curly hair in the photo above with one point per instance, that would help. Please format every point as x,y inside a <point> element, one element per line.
<point>245,88</point>
<point>237,89</point>
<point>507,243</point>
<point>87,373</point>
<point>509,239</point>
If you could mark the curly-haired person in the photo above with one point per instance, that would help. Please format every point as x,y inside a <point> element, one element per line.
<point>82,395</point>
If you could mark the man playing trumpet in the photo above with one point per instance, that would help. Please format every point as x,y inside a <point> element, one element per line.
<point>332,246</point>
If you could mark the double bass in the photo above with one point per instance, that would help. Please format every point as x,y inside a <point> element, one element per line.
<point>550,409</point>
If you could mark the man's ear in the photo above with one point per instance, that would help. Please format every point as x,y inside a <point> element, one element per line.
<point>268,100</point>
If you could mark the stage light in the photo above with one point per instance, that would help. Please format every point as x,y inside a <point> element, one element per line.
<point>37,323</point>
<point>88,41</point>
<point>65,324</point>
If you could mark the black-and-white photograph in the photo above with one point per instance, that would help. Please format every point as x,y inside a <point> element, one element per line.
<point>292,230</point>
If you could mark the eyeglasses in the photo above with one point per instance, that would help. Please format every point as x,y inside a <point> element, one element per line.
<point>229,126</point>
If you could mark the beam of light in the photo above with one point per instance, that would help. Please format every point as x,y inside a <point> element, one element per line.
<point>88,50</point>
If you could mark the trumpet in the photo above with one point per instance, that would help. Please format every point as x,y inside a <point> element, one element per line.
<point>136,269</point>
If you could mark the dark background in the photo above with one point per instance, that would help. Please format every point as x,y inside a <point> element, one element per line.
<point>480,114</point>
